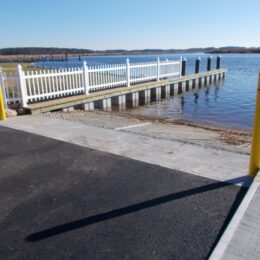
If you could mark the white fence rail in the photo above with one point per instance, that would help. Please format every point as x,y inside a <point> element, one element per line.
<point>36,86</point>
<point>107,76</point>
<point>10,88</point>
<point>53,84</point>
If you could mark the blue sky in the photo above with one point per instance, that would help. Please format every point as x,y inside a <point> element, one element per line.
<point>132,24</point>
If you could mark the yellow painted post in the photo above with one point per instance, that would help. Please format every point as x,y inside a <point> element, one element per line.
<point>2,107</point>
<point>255,151</point>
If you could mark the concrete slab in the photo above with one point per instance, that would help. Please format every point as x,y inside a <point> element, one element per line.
<point>201,160</point>
<point>197,135</point>
<point>241,238</point>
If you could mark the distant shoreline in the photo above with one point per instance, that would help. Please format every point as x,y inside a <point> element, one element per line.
<point>23,57</point>
<point>35,52</point>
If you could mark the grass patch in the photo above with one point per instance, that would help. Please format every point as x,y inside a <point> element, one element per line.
<point>10,67</point>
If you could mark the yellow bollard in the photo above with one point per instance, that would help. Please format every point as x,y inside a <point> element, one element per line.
<point>2,107</point>
<point>255,151</point>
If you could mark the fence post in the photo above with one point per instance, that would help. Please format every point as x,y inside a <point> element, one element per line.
<point>158,69</point>
<point>22,85</point>
<point>255,150</point>
<point>2,85</point>
<point>127,73</point>
<point>180,67</point>
<point>168,69</point>
<point>85,78</point>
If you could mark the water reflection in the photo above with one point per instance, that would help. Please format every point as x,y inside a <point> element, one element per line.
<point>207,94</point>
<point>188,105</point>
<point>176,105</point>
<point>196,97</point>
<point>216,91</point>
<point>182,102</point>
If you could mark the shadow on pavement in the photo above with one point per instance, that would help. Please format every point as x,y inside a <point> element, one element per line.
<point>54,231</point>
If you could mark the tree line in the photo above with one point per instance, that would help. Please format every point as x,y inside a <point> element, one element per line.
<point>62,51</point>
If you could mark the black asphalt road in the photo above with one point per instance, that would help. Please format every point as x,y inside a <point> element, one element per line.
<point>63,201</point>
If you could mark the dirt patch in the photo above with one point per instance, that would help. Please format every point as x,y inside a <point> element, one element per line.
<point>235,138</point>
<point>227,135</point>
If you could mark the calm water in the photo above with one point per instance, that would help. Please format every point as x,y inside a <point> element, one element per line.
<point>230,103</point>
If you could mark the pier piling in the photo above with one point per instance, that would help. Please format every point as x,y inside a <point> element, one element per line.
<point>121,101</point>
<point>197,65</point>
<point>88,106</point>
<point>218,62</point>
<point>183,67</point>
<point>209,63</point>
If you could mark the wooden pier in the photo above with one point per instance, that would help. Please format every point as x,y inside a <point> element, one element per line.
<point>103,86</point>
<point>137,94</point>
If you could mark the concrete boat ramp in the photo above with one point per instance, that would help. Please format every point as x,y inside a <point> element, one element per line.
<point>128,188</point>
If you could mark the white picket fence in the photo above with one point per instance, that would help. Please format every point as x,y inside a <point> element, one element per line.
<point>36,86</point>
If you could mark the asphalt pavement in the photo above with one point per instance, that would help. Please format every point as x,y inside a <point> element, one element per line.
<point>63,201</point>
